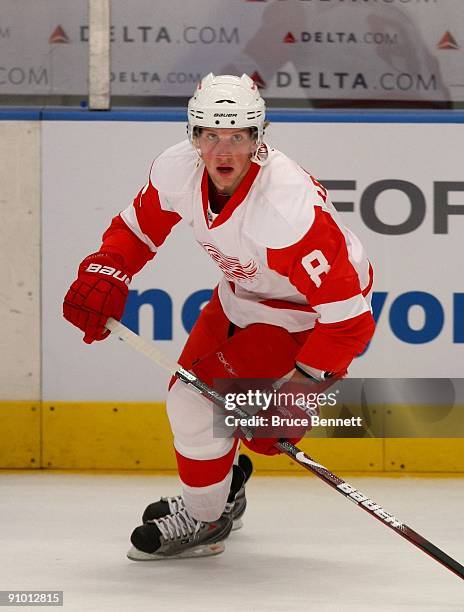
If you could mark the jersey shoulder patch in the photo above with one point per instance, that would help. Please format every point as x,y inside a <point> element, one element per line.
<point>284,198</point>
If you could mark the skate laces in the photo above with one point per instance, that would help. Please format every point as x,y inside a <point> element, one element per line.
<point>178,525</point>
<point>176,503</point>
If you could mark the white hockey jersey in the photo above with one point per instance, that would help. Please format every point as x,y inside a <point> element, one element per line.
<point>285,255</point>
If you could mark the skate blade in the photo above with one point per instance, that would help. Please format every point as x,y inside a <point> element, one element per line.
<point>237,524</point>
<point>204,550</point>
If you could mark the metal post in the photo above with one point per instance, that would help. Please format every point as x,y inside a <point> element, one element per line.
<point>99,54</point>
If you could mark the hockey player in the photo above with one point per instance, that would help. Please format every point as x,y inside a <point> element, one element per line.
<point>294,298</point>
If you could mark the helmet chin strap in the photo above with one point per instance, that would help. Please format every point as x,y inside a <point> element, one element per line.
<point>261,154</point>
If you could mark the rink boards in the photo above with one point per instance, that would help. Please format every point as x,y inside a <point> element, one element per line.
<point>397,180</point>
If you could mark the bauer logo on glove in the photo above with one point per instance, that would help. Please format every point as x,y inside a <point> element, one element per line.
<point>99,292</point>
<point>118,274</point>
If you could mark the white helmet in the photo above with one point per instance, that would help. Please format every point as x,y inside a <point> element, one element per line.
<point>226,101</point>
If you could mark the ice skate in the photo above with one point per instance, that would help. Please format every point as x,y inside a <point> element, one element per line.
<point>236,502</point>
<point>178,536</point>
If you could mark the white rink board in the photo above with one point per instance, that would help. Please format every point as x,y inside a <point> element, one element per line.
<point>93,170</point>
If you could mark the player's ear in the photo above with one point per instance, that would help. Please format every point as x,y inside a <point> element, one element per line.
<point>253,146</point>
<point>196,139</point>
<point>196,145</point>
<point>254,141</point>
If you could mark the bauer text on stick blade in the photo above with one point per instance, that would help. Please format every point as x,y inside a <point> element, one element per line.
<point>375,510</point>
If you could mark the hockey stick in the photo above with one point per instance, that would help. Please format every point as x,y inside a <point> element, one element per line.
<point>151,351</point>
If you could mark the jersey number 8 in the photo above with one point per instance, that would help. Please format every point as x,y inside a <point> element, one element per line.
<point>315,264</point>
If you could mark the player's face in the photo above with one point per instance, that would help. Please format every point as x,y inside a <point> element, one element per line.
<point>227,155</point>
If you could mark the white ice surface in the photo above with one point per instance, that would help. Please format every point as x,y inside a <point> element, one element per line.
<point>303,546</point>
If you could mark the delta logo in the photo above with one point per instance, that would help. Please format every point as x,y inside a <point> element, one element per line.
<point>58,36</point>
<point>447,42</point>
<point>257,78</point>
<point>289,38</point>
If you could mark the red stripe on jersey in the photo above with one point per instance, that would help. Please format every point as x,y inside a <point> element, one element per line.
<point>287,305</point>
<point>366,290</point>
<point>118,238</point>
<point>155,222</point>
<point>332,346</point>
<point>205,472</point>
<point>234,201</point>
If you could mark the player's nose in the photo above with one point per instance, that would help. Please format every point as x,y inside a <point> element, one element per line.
<point>223,147</point>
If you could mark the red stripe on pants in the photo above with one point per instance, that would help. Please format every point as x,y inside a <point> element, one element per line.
<point>205,472</point>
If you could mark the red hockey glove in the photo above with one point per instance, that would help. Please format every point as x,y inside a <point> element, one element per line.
<point>100,291</point>
<point>265,446</point>
<point>296,402</point>
<point>290,425</point>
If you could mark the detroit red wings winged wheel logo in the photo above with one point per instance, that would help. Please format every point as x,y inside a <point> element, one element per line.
<point>231,266</point>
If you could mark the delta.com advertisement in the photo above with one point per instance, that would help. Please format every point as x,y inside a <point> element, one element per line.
<point>312,50</point>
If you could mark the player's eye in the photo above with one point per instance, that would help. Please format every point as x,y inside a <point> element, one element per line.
<point>237,138</point>
<point>210,137</point>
